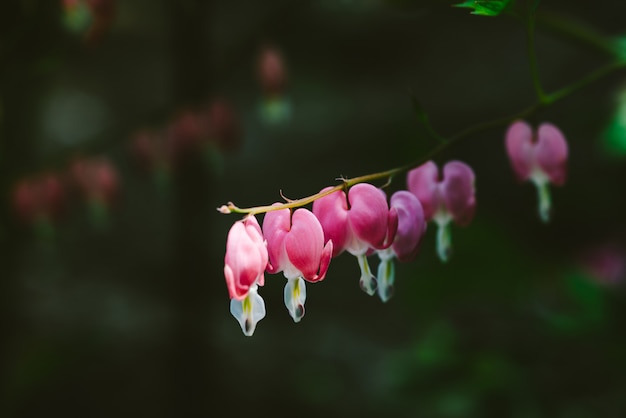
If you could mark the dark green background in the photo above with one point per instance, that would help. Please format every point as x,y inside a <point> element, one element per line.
<point>133,320</point>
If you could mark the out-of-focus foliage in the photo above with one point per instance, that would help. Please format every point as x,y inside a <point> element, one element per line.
<point>485,7</point>
<point>615,132</point>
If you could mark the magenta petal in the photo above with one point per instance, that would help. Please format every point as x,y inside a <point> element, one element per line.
<point>392,226</point>
<point>551,153</point>
<point>422,182</point>
<point>276,224</point>
<point>458,191</point>
<point>519,147</point>
<point>332,212</point>
<point>327,254</point>
<point>304,244</point>
<point>411,225</point>
<point>368,214</point>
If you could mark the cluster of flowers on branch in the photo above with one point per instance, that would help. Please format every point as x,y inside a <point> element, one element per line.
<point>358,218</point>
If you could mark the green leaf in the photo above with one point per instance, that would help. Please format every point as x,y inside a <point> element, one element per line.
<point>485,7</point>
<point>614,135</point>
<point>619,45</point>
<point>588,306</point>
<point>589,296</point>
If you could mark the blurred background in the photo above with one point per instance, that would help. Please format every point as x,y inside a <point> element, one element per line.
<point>125,124</point>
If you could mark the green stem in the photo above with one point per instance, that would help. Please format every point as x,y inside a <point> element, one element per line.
<point>585,81</point>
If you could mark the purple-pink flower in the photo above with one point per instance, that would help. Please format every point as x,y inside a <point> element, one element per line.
<point>296,247</point>
<point>358,223</point>
<point>406,241</point>
<point>446,198</point>
<point>540,157</point>
<point>244,267</point>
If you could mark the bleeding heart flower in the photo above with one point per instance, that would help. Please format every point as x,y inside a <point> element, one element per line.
<point>451,198</point>
<point>358,223</point>
<point>244,269</point>
<point>406,242</point>
<point>223,126</point>
<point>96,178</point>
<point>39,199</point>
<point>271,71</point>
<point>540,157</point>
<point>296,247</point>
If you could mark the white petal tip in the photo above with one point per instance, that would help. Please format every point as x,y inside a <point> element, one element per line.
<point>368,285</point>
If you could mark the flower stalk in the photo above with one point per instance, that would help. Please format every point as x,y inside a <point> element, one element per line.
<point>544,99</point>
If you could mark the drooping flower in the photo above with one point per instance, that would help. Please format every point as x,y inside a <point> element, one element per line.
<point>357,223</point>
<point>406,242</point>
<point>97,181</point>
<point>244,269</point>
<point>184,134</point>
<point>271,71</point>
<point>540,157</point>
<point>605,264</point>
<point>296,247</point>
<point>444,199</point>
<point>272,74</point>
<point>223,126</point>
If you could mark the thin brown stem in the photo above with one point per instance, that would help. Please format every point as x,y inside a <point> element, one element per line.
<point>444,144</point>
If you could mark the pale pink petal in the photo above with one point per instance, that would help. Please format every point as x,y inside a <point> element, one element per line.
<point>256,235</point>
<point>276,224</point>
<point>551,153</point>
<point>304,244</point>
<point>246,258</point>
<point>519,147</point>
<point>458,191</point>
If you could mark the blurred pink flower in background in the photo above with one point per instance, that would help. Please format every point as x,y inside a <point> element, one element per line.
<point>539,157</point>
<point>605,264</point>
<point>271,73</point>
<point>39,199</point>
